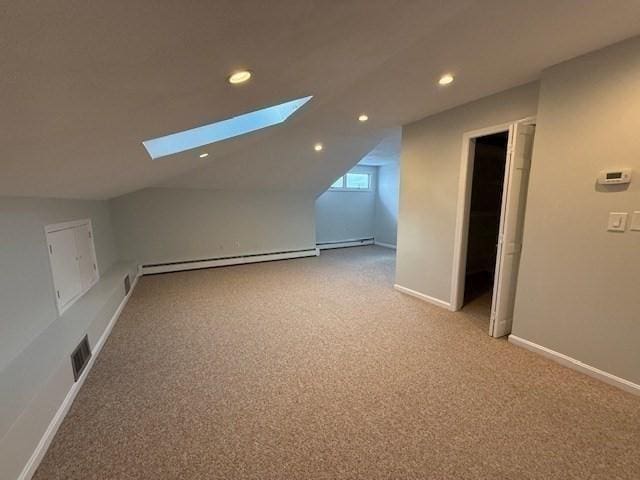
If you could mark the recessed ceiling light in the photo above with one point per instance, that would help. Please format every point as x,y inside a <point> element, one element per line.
<point>363,118</point>
<point>446,79</point>
<point>317,147</point>
<point>204,155</point>
<point>240,76</point>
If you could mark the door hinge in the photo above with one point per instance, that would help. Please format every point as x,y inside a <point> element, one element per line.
<point>94,266</point>
<point>58,293</point>
<point>50,249</point>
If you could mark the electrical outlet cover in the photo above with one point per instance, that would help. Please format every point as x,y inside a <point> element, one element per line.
<point>635,221</point>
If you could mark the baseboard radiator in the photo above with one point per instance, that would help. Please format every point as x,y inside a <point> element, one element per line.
<point>153,268</point>
<point>357,242</point>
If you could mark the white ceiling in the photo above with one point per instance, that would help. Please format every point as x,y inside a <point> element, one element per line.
<point>84,83</point>
<point>386,152</point>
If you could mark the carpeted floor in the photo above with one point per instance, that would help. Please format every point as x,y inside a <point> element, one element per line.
<point>478,310</point>
<point>317,369</point>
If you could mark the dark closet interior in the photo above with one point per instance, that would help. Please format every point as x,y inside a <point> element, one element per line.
<point>484,217</point>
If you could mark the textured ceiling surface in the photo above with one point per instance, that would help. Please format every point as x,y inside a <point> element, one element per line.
<point>84,83</point>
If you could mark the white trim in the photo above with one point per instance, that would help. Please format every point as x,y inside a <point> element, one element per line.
<point>463,204</point>
<point>56,227</point>
<point>339,189</point>
<point>422,296</point>
<point>223,262</point>
<point>40,450</point>
<point>346,243</point>
<point>576,365</point>
<point>385,245</point>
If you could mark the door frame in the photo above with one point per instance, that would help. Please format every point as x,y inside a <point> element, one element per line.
<point>465,183</point>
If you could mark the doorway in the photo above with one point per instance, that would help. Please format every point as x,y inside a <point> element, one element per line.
<point>489,226</point>
<point>487,185</point>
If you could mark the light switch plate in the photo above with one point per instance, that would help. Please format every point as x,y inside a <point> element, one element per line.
<point>617,221</point>
<point>635,221</point>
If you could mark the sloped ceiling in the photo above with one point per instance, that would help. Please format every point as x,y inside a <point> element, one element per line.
<point>84,83</point>
<point>386,152</point>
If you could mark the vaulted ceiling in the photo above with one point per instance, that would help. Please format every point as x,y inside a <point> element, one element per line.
<point>84,83</point>
<point>386,152</point>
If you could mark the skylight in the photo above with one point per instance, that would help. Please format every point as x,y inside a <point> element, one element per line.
<point>222,130</point>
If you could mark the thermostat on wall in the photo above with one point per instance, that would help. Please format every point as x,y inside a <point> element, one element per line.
<point>614,177</point>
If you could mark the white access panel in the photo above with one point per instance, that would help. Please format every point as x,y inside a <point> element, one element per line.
<point>64,266</point>
<point>73,260</point>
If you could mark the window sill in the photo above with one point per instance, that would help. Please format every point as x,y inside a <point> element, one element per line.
<point>351,190</point>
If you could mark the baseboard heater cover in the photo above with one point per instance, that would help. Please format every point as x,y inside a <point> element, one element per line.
<point>386,245</point>
<point>345,243</point>
<point>167,267</point>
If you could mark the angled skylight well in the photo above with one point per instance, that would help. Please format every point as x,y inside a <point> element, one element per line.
<point>222,130</point>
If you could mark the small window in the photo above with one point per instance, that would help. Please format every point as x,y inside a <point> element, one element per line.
<point>358,181</point>
<point>353,182</point>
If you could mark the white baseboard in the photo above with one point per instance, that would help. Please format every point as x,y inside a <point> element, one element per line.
<point>347,243</point>
<point>385,245</point>
<point>422,296</point>
<point>576,365</point>
<point>50,432</point>
<point>224,262</point>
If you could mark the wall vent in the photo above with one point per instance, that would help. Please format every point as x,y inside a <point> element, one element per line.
<point>80,357</point>
<point>127,285</point>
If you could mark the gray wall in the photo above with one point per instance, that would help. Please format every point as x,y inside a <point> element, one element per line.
<point>429,169</point>
<point>343,215</point>
<point>26,286</point>
<point>159,225</point>
<point>387,198</point>
<point>579,285</point>
<point>35,343</point>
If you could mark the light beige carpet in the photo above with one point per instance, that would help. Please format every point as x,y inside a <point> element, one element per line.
<point>317,369</point>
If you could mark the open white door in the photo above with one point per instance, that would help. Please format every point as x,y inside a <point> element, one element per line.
<point>511,228</point>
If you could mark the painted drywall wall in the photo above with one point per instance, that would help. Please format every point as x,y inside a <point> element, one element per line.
<point>429,171</point>
<point>387,198</point>
<point>160,225</point>
<point>579,285</point>
<point>26,287</point>
<point>342,215</point>
<point>35,343</point>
